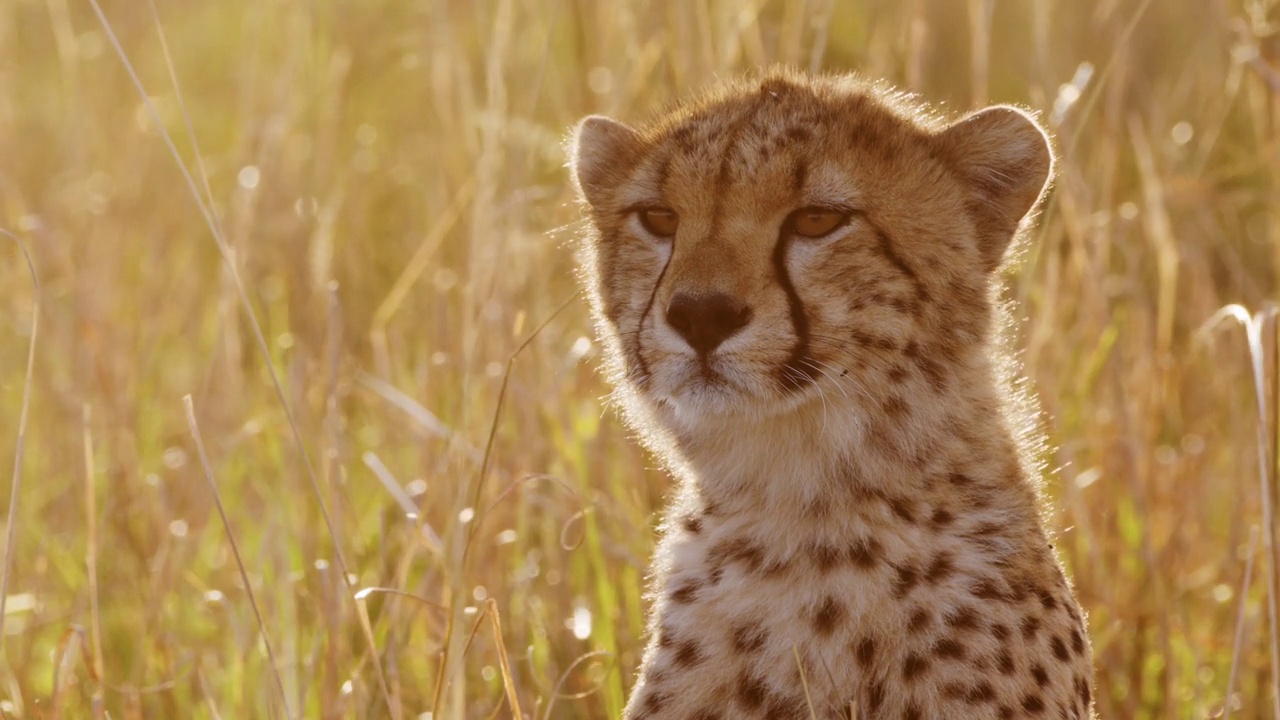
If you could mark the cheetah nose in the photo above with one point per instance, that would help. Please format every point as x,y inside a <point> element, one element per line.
<point>705,321</point>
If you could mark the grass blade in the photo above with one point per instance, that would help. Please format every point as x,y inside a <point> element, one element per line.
<point>362,612</point>
<point>1253,326</point>
<point>15,491</point>
<point>235,551</point>
<point>1238,646</point>
<point>91,564</point>
<point>508,681</point>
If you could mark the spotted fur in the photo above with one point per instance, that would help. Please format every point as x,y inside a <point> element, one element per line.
<point>856,531</point>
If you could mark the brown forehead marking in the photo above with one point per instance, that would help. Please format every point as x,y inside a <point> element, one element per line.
<point>759,118</point>
<point>737,135</point>
<point>732,137</point>
<point>664,171</point>
<point>799,175</point>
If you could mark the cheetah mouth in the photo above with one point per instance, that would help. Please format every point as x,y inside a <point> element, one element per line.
<point>731,394</point>
<point>703,377</point>
<point>706,373</point>
<point>704,384</point>
<point>720,387</point>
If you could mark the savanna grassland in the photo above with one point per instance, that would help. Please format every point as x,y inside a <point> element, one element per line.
<point>365,286</point>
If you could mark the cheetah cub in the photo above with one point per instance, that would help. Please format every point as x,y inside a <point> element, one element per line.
<point>795,279</point>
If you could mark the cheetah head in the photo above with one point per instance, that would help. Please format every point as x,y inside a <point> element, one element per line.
<point>793,239</point>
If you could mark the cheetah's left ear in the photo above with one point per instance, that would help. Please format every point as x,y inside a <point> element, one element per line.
<point>601,155</point>
<point>1004,156</point>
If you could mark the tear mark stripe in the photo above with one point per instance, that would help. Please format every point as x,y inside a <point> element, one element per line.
<point>645,373</point>
<point>792,375</point>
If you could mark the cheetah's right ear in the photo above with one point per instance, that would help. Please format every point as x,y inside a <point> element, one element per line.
<point>601,155</point>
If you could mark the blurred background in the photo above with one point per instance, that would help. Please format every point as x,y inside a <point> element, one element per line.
<point>385,188</point>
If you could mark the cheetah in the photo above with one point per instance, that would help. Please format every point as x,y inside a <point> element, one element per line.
<point>795,280</point>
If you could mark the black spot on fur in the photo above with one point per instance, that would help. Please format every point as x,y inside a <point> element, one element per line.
<point>825,557</point>
<point>866,651</point>
<point>1059,649</point>
<point>687,654</point>
<point>866,339</point>
<point>941,518</point>
<point>908,578</point>
<point>981,693</point>
<point>749,638</point>
<point>736,550</point>
<point>692,524</point>
<point>751,691</point>
<point>686,593</point>
<point>827,616</point>
<point>941,567</point>
<point>895,407</point>
<point>949,648</point>
<point>902,508</point>
<point>987,589</point>
<point>914,666</point>
<point>1084,692</point>
<point>865,553</point>
<point>964,618</point>
<point>1077,641</point>
<point>898,374</point>
<point>653,701</point>
<point>1005,662</point>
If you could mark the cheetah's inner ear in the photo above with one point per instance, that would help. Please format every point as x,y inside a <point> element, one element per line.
<point>1005,157</point>
<point>601,156</point>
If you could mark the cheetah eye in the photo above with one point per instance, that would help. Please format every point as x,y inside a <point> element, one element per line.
<point>816,222</point>
<point>661,222</point>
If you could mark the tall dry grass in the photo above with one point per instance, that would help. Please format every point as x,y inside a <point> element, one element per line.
<point>385,183</point>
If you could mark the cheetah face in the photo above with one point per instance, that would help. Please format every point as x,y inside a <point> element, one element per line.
<point>752,252</point>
